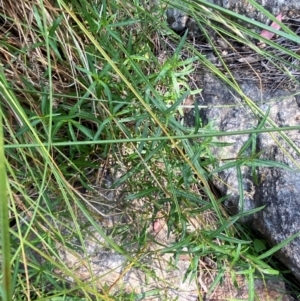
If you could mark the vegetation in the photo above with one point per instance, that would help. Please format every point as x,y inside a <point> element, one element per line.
<point>93,129</point>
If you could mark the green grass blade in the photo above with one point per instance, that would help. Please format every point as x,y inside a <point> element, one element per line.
<point>279,246</point>
<point>4,224</point>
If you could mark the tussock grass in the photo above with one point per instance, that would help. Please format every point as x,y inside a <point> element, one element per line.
<point>84,85</point>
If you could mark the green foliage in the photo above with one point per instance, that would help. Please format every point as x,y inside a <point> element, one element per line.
<point>92,97</point>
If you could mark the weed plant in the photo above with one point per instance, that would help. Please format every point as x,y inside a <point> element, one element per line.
<point>91,110</point>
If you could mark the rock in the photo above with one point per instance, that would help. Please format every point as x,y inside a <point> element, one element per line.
<point>275,188</point>
<point>180,22</point>
<point>245,8</point>
<point>139,272</point>
<point>154,276</point>
<point>144,270</point>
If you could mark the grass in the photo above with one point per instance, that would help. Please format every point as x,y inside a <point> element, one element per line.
<point>92,130</point>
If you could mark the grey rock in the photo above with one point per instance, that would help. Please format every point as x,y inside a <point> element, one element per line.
<point>96,262</point>
<point>180,22</point>
<point>177,20</point>
<point>247,9</point>
<point>277,189</point>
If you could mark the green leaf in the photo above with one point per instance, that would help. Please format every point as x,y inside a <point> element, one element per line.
<point>279,246</point>
<point>5,253</point>
<point>259,245</point>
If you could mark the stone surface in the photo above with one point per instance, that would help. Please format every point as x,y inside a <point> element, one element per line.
<point>180,21</point>
<point>276,188</point>
<point>245,8</point>
<point>144,269</point>
<point>115,271</point>
<point>112,272</point>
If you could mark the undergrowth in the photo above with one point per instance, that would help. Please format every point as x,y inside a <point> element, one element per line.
<point>93,130</point>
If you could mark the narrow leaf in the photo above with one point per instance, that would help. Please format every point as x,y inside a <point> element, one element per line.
<point>4,224</point>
